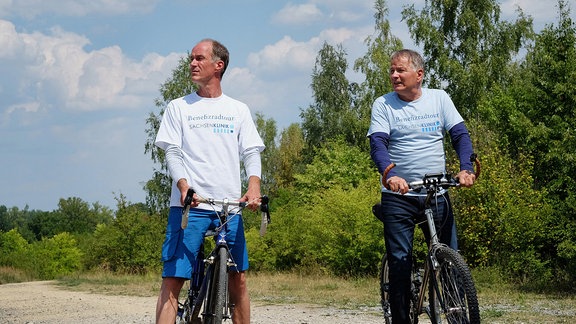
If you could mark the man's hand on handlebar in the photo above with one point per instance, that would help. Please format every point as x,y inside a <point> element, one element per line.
<point>183,186</point>
<point>397,184</point>
<point>466,178</point>
<point>253,198</point>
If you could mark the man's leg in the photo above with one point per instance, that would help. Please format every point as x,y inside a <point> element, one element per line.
<point>167,304</point>
<point>239,297</point>
<point>398,234</point>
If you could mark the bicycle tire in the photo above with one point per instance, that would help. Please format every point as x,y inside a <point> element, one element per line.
<point>217,294</point>
<point>453,296</point>
<point>385,293</point>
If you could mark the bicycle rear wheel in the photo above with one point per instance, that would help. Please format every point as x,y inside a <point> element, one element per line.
<point>453,296</point>
<point>385,293</point>
<point>215,311</point>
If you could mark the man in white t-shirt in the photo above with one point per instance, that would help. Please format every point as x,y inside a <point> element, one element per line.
<point>204,136</point>
<point>407,128</point>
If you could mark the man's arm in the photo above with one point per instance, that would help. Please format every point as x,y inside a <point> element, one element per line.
<point>463,146</point>
<point>253,166</point>
<point>379,152</point>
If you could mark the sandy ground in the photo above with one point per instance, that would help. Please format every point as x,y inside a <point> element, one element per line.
<point>43,302</point>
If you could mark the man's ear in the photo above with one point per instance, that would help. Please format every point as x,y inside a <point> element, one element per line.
<point>219,66</point>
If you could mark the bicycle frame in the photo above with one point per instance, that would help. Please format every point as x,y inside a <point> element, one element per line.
<point>449,295</point>
<point>202,290</point>
<point>204,267</point>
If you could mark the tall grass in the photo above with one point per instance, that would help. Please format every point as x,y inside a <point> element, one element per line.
<point>12,275</point>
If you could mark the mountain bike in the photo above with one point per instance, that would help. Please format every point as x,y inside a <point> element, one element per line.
<point>207,299</point>
<point>441,285</point>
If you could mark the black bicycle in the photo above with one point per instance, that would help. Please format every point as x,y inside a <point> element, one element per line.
<point>207,299</point>
<point>442,285</point>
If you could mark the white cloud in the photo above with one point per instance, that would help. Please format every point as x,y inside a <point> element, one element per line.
<point>303,14</point>
<point>284,56</point>
<point>78,8</point>
<point>54,70</point>
<point>288,56</point>
<point>243,85</point>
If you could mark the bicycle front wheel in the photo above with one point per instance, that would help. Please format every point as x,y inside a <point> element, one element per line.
<point>215,311</point>
<point>453,296</point>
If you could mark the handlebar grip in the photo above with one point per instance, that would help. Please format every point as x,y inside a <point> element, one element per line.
<point>189,197</point>
<point>474,158</point>
<point>187,202</point>
<point>385,175</point>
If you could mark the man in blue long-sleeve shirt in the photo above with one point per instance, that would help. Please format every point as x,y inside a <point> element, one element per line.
<point>407,128</point>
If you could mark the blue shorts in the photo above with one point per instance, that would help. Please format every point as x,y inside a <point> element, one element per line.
<point>180,248</point>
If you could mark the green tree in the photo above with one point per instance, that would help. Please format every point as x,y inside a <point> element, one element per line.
<point>290,155</point>
<point>73,216</point>
<point>549,103</point>
<point>466,46</point>
<point>375,64</point>
<point>13,248</point>
<point>268,132</point>
<point>53,257</point>
<point>332,114</point>
<point>130,244</point>
<point>335,228</point>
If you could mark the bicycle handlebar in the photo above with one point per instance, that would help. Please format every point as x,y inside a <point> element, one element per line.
<point>437,180</point>
<point>264,208</point>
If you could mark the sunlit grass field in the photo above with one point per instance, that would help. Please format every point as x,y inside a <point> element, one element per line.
<point>499,302</point>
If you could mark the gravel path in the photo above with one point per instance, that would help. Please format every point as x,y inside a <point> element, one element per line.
<point>43,302</point>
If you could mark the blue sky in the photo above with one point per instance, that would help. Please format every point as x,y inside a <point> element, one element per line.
<point>79,77</point>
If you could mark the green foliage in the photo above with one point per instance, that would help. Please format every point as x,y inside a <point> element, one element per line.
<point>54,257</point>
<point>375,64</point>
<point>501,219</point>
<point>333,114</point>
<point>12,247</point>
<point>290,156</point>
<point>335,164</point>
<point>130,244</point>
<point>334,232</point>
<point>466,46</point>
<point>267,130</point>
<point>331,225</point>
<point>551,106</point>
<point>262,257</point>
<point>73,216</point>
<point>46,259</point>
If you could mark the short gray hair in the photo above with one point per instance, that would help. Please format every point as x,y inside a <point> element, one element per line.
<point>413,57</point>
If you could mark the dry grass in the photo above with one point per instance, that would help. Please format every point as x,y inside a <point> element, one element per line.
<point>499,302</point>
<point>313,289</point>
<point>9,274</point>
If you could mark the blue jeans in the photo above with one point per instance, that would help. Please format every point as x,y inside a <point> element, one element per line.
<point>399,214</point>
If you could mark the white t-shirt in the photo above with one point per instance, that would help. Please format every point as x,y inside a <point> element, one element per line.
<point>212,133</point>
<point>416,130</point>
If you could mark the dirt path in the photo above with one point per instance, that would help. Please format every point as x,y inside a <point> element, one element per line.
<point>43,302</point>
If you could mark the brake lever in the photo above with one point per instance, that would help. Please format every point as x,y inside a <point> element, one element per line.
<point>265,209</point>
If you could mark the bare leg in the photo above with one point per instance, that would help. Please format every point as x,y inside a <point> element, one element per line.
<point>167,305</point>
<point>239,297</point>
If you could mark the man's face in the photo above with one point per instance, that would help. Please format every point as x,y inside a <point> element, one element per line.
<point>405,80</point>
<point>202,66</point>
